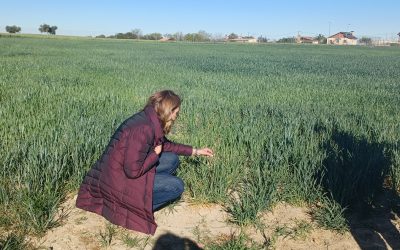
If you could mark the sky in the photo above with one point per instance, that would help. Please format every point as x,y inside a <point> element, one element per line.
<point>270,19</point>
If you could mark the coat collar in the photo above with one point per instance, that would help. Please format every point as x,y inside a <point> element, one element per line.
<point>152,115</point>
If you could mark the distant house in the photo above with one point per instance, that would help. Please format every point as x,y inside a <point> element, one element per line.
<point>306,39</point>
<point>244,39</point>
<point>342,38</point>
<point>167,39</point>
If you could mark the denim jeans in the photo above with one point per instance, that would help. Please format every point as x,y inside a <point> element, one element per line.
<point>167,187</point>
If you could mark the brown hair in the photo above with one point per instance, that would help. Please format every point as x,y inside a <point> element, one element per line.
<point>164,103</point>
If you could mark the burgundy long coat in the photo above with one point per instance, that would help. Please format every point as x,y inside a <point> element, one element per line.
<point>119,186</point>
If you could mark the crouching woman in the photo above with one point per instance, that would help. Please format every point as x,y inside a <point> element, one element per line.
<point>136,173</point>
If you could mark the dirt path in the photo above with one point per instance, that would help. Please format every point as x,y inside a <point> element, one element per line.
<point>185,226</point>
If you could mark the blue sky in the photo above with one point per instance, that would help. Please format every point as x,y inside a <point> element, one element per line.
<point>272,19</point>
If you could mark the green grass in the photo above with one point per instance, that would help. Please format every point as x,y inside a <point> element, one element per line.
<point>330,215</point>
<point>233,242</point>
<point>14,241</point>
<point>287,122</point>
<point>107,236</point>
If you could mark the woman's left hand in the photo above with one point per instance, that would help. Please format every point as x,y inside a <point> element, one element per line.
<point>158,149</point>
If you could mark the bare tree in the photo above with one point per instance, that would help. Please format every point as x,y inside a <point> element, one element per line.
<point>178,36</point>
<point>137,33</point>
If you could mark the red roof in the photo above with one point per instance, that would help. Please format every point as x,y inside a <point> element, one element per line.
<point>347,35</point>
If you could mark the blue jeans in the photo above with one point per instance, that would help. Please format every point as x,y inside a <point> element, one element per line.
<point>167,187</point>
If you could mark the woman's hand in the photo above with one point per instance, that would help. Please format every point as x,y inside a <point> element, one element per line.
<point>158,149</point>
<point>203,151</point>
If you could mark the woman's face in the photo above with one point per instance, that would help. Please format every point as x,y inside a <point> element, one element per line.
<point>174,114</point>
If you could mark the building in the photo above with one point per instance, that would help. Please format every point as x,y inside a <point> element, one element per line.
<point>342,38</point>
<point>306,39</point>
<point>245,39</point>
<point>167,39</point>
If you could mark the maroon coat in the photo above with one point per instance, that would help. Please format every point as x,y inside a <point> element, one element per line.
<point>120,185</point>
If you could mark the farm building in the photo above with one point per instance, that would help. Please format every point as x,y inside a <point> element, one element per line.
<point>244,39</point>
<point>342,38</point>
<point>167,39</point>
<point>306,39</point>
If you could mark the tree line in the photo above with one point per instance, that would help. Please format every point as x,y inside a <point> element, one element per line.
<point>201,36</point>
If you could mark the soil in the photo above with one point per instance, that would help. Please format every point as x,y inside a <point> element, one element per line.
<point>186,226</point>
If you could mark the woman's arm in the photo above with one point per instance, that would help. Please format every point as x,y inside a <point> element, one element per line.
<point>182,149</point>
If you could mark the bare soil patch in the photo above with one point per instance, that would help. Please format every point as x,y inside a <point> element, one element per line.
<point>188,226</point>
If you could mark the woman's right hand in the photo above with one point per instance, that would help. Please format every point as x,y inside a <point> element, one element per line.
<point>205,152</point>
<point>158,149</point>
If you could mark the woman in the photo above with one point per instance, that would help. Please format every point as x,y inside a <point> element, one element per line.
<point>135,174</point>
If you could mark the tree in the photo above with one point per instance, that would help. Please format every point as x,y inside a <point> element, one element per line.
<point>203,36</point>
<point>365,40</point>
<point>44,28</point>
<point>13,29</point>
<point>232,36</point>
<point>137,33</point>
<point>189,37</point>
<point>200,36</point>
<point>178,36</point>
<point>152,36</point>
<point>321,39</point>
<point>52,30</point>
<point>218,37</point>
<point>287,40</point>
<point>127,35</point>
<point>262,39</point>
<point>121,36</point>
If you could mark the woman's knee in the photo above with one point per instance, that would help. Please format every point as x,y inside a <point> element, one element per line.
<point>169,162</point>
<point>179,186</point>
<point>173,159</point>
<point>168,184</point>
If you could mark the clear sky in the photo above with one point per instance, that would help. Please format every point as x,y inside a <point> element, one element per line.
<point>271,19</point>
